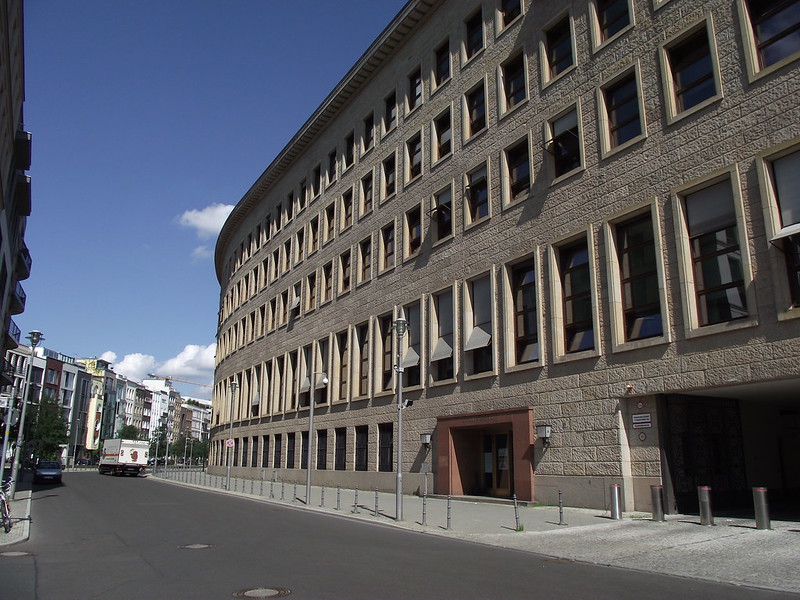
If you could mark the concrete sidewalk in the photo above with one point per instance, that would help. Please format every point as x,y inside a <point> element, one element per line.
<point>20,519</point>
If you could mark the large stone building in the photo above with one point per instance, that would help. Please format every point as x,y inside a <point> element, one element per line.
<point>588,214</point>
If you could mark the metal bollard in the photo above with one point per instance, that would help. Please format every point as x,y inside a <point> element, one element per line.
<point>261,493</point>
<point>271,491</point>
<point>616,502</point>
<point>761,507</point>
<point>449,522</point>
<point>283,487</point>
<point>516,514</point>
<point>322,496</point>
<point>425,509</point>
<point>294,493</point>
<point>376,502</point>
<point>704,497</point>
<point>657,497</point>
<point>355,503</point>
<point>338,497</point>
<point>560,509</point>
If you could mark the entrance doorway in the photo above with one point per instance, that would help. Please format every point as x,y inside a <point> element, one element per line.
<point>497,465</point>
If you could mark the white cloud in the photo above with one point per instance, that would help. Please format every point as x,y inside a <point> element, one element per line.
<point>109,356</point>
<point>135,366</point>
<point>207,221</point>
<point>202,252</point>
<point>193,363</point>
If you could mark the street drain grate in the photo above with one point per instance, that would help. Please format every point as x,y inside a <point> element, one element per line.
<point>12,554</point>
<point>265,592</point>
<point>195,546</point>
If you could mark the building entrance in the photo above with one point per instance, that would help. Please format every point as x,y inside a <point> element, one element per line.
<point>497,465</point>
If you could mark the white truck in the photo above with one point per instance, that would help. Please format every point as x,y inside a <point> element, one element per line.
<point>124,457</point>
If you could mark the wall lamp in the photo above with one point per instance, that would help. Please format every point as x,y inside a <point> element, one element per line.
<point>544,432</point>
<point>425,439</point>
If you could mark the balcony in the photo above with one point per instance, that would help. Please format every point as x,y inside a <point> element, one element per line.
<point>24,262</point>
<point>22,150</point>
<point>18,299</point>
<point>6,372</point>
<point>22,194</point>
<point>12,334</point>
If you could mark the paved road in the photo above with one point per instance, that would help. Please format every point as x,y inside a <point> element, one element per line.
<point>118,538</point>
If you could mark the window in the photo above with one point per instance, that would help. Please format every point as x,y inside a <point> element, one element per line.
<point>340,448</point>
<point>363,350</point>
<point>576,296</point>
<point>366,194</point>
<point>386,367</point>
<point>715,254</point>
<point>389,168</point>
<point>620,101</point>
<point>311,291</point>
<point>245,447</point>
<point>441,63</point>
<point>558,53</point>
<point>475,111</point>
<point>347,209</point>
<point>362,447</point>
<point>264,451</point>
<point>442,214</point>
<point>414,157</point>
<point>638,276</point>
<point>327,283</point>
<point>343,360</point>
<point>316,181</point>
<point>387,247</point>
<point>321,366</point>
<point>691,72</point>
<point>509,10</point>
<point>349,150</point>
<point>518,171</point>
<point>331,172</point>
<point>478,320</point>
<point>442,135</point>
<point>313,235</point>
<point>390,112</point>
<point>330,223</point>
<point>783,175</point>
<point>276,459</point>
<point>299,245</point>
<point>284,317</point>
<point>775,29</point>
<point>414,98</point>
<point>365,260</point>
<point>322,449</point>
<point>413,232</point>
<point>525,312</point>
<point>385,445</point>
<point>344,272</point>
<point>512,80</point>
<point>412,346</point>
<point>565,145</point>
<point>612,17</point>
<point>441,342</point>
<point>290,450</point>
<point>304,375</point>
<point>473,38</point>
<point>476,194</point>
<point>368,139</point>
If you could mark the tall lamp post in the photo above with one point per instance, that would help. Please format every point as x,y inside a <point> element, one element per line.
<point>35,337</point>
<point>229,441</point>
<point>312,401</point>
<point>400,328</point>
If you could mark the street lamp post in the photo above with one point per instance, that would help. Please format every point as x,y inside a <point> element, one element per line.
<point>400,327</point>
<point>6,435</point>
<point>229,442</point>
<point>311,403</point>
<point>35,337</point>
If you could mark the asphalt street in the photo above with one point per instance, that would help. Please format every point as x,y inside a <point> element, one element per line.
<point>100,537</point>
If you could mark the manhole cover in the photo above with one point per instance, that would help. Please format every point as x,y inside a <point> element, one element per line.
<point>265,592</point>
<point>195,546</point>
<point>14,554</point>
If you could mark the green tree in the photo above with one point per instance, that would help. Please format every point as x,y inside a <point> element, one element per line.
<point>46,429</point>
<point>130,432</point>
<point>158,443</point>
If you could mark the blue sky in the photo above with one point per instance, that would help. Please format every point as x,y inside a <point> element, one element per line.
<point>150,120</point>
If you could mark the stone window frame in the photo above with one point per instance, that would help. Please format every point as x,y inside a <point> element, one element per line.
<point>340,366</point>
<point>347,209</point>
<point>368,133</point>
<point>438,81</point>
<point>468,132</point>
<point>436,134</point>
<point>413,342</point>
<point>606,148</point>
<point>474,333</point>
<point>550,137</point>
<point>667,75</point>
<point>503,107</point>
<point>389,124</point>
<point>311,291</point>
<point>384,194</point>
<point>557,337</point>
<point>435,210</point>
<point>469,220</point>
<point>619,343</point>
<point>414,80</point>
<point>362,360</point>
<point>597,40</point>
<point>322,349</point>
<point>344,279</point>
<point>364,272</point>
<point>754,69</point>
<point>329,223</point>
<point>434,337</point>
<point>409,153</point>
<point>500,25</point>
<point>366,190</point>
<point>383,267</point>
<point>548,78</point>
<point>505,173</point>
<point>509,313</point>
<point>407,234</point>
<point>331,171</point>
<point>467,56</point>
<point>326,274</point>
<point>692,328</point>
<point>382,354</point>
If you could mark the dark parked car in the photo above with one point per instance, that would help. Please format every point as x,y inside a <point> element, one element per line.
<point>47,470</point>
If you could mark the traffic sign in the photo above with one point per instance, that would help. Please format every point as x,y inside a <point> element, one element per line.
<point>229,443</point>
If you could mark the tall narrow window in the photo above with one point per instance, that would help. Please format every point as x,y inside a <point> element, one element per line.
<point>477,195</point>
<point>412,352</point>
<point>387,247</point>
<point>276,464</point>
<point>475,120</point>
<point>692,71</point>
<point>362,336</point>
<point>385,445</point>
<point>387,359</point>
<point>478,332</point>
<point>442,327</point>
<point>366,194</point>
<point>389,112</point>
<point>290,450</point>
<point>414,90</point>
<point>785,178</point>
<point>365,260</point>
<point>327,283</point>
<point>441,66</point>
<point>509,10</point>
<point>559,53</point>
<point>362,447</point>
<point>331,172</point>
<point>321,366</point>
<point>612,17</point>
<point>716,255</point>
<point>638,275</point>
<point>344,272</point>
<point>347,208</point>
<point>413,230</point>
<point>442,135</point>
<point>513,81</point>
<point>340,448</point>
<point>322,449</point>
<point>576,295</point>
<point>311,291</point>
<point>313,235</point>
<point>389,176</point>
<point>518,170</point>
<point>442,214</point>
<point>622,110</point>
<point>343,349</point>
<point>330,223</point>
<point>349,150</point>
<point>414,157</point>
<point>566,145</point>
<point>526,314</point>
<point>776,28</point>
<point>368,139</point>
<point>473,39</point>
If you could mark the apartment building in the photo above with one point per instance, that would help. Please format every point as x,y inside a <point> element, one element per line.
<point>588,214</point>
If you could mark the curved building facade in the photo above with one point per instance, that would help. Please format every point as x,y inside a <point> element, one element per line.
<point>587,213</point>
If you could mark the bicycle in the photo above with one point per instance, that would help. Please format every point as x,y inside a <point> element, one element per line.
<point>5,506</point>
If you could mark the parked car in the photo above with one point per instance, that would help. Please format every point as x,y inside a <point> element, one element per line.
<point>47,470</point>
